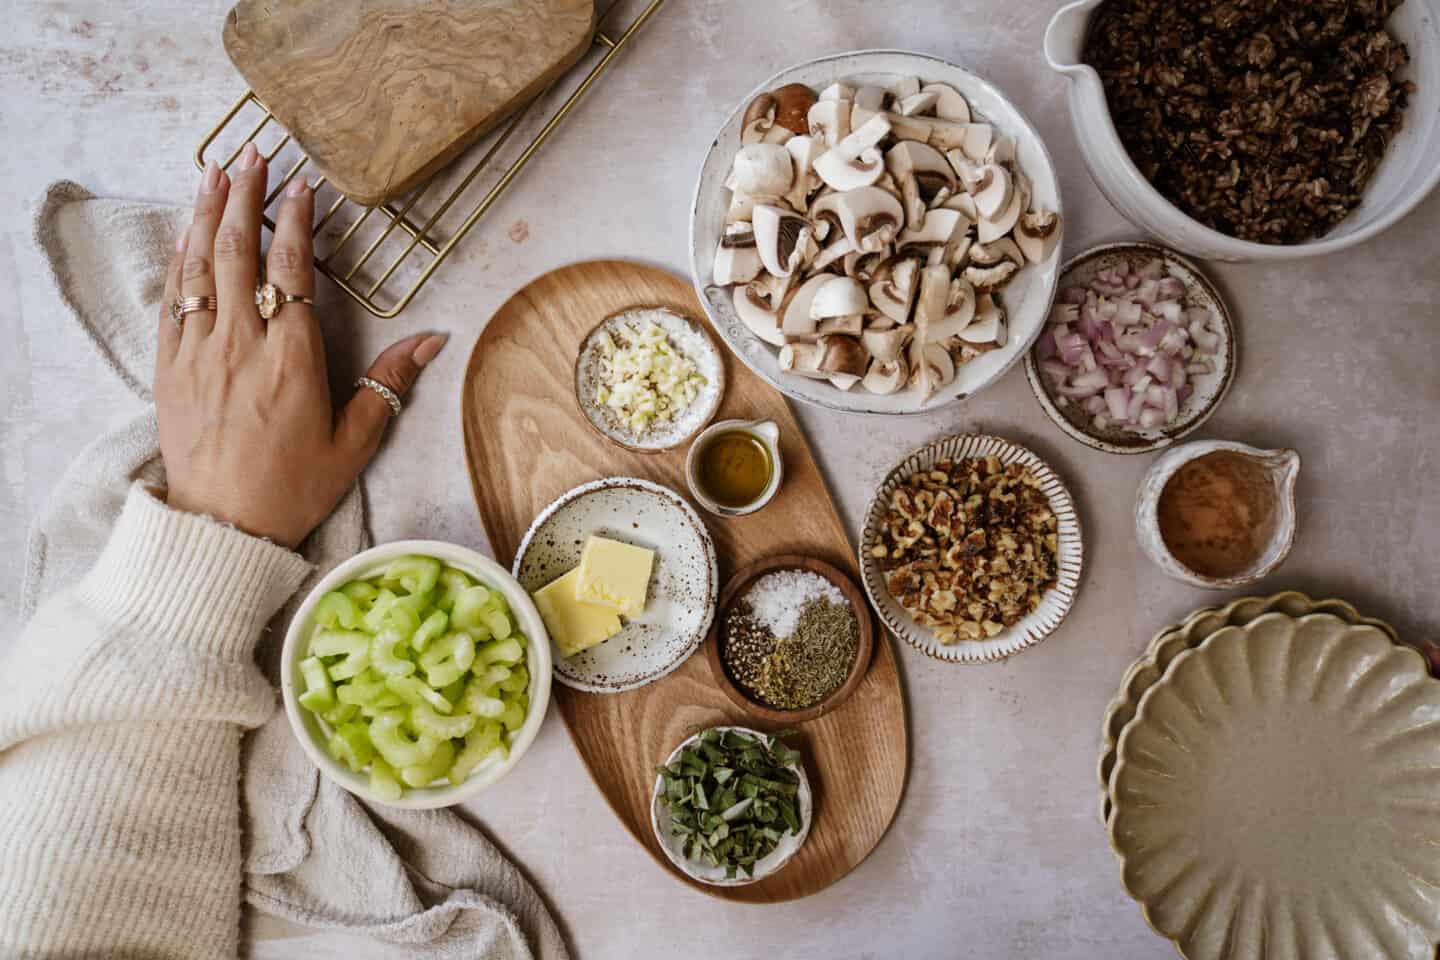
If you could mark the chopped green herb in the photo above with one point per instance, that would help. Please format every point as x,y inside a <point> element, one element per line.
<point>729,793</point>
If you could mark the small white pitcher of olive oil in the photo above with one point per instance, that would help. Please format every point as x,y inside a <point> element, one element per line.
<point>734,467</point>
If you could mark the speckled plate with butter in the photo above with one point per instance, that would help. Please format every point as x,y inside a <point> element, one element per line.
<point>683,585</point>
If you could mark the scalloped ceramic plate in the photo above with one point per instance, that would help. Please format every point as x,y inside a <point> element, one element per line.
<point>683,585</point>
<point>1054,604</point>
<point>1170,642</point>
<point>1278,796</point>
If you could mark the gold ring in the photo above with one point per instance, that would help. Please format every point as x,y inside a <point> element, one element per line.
<point>183,305</point>
<point>270,298</point>
<point>385,392</point>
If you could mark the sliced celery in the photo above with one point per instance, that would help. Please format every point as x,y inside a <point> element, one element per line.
<point>498,622</point>
<point>384,658</point>
<point>447,659</point>
<point>402,617</point>
<point>500,651</point>
<point>452,581</point>
<point>383,782</point>
<point>350,744</point>
<point>470,606</point>
<point>434,625</point>
<point>518,680</point>
<point>492,676</point>
<point>362,691</point>
<point>514,716</point>
<point>454,692</point>
<point>414,691</point>
<point>340,713</point>
<point>400,745</point>
<point>484,740</point>
<point>337,610</point>
<point>374,619</point>
<point>414,574</point>
<point>352,666</point>
<point>329,643</point>
<point>480,701</point>
<point>385,702</point>
<point>428,771</point>
<point>426,720</point>
<point>362,592</point>
<point>319,693</point>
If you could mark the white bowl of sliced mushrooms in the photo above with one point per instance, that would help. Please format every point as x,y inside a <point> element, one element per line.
<point>877,232</point>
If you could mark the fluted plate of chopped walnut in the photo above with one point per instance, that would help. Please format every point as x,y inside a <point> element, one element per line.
<point>971,550</point>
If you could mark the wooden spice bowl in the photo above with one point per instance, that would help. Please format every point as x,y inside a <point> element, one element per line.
<point>737,585</point>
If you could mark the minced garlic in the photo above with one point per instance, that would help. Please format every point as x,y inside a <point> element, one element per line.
<point>644,378</point>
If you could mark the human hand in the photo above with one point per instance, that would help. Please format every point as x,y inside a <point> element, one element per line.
<point>246,428</point>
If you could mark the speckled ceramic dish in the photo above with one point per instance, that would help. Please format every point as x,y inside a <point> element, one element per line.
<point>1277,795</point>
<point>683,585</point>
<point>1210,388</point>
<point>687,337</point>
<point>785,849</point>
<point>1174,640</point>
<point>1054,604</point>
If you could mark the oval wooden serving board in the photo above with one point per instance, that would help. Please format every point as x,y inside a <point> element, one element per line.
<point>526,443</point>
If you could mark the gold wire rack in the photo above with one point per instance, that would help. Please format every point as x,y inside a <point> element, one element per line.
<point>410,232</point>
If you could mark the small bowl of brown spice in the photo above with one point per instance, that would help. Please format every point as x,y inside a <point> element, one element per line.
<point>793,638</point>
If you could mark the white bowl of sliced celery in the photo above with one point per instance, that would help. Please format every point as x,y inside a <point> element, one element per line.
<point>416,674</point>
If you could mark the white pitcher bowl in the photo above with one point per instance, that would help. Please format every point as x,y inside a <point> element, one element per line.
<point>1409,171</point>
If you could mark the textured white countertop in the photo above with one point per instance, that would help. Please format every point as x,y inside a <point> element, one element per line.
<point>997,850</point>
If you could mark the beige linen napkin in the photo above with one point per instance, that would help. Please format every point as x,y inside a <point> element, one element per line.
<point>425,881</point>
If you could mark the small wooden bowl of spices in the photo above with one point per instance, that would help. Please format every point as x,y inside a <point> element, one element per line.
<point>792,640</point>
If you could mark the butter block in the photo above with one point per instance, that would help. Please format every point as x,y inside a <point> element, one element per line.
<point>614,575</point>
<point>575,626</point>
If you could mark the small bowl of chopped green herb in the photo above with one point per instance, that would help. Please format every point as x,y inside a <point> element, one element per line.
<point>731,806</point>
<point>792,640</point>
<point>416,674</point>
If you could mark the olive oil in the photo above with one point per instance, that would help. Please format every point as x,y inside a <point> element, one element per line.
<point>734,468</point>
<point>1217,513</point>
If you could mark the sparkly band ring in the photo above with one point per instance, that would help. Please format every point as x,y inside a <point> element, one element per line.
<point>385,392</point>
<point>184,305</point>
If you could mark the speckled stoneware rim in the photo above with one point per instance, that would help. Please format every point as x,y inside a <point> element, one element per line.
<point>605,424</point>
<point>1397,669</point>
<point>1056,602</point>
<point>788,846</point>
<point>671,498</point>
<point>1192,416</point>
<point>1168,643</point>
<point>760,357</point>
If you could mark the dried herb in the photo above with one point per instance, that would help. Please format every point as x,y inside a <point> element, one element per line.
<point>1263,119</point>
<point>732,797</point>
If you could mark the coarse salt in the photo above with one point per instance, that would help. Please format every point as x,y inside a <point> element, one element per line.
<point>776,599</point>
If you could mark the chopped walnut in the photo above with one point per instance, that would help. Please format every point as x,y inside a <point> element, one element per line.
<point>968,548</point>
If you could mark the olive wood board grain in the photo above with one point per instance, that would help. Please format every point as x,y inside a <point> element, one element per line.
<point>380,94</point>
<point>526,443</point>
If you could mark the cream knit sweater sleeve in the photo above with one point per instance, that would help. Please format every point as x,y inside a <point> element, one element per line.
<point>120,719</point>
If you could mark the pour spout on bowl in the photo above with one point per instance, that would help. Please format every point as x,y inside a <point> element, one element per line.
<point>1065,37</point>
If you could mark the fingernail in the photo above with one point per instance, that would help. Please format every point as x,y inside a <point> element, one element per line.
<point>211,180</point>
<point>429,348</point>
<point>180,239</point>
<point>297,187</point>
<point>249,156</point>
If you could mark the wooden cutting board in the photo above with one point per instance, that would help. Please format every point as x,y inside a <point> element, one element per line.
<point>382,93</point>
<point>526,443</point>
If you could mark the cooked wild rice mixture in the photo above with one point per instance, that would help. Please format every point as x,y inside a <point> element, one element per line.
<point>1263,119</point>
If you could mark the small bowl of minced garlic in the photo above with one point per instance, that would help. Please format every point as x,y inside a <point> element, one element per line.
<point>792,638</point>
<point>649,379</point>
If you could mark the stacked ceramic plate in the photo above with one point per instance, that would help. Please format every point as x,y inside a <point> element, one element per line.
<point>1271,783</point>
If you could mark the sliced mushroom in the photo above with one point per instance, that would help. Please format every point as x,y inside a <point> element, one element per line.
<point>843,355</point>
<point>976,139</point>
<point>802,359</point>
<point>956,314</point>
<point>989,324</point>
<point>922,172</point>
<point>843,381</point>
<point>757,315</point>
<point>830,121</point>
<point>936,231</point>
<point>870,217</point>
<point>797,322</point>
<point>1002,150</point>
<point>838,91</point>
<point>945,134</point>
<point>851,325</point>
<point>931,367</point>
<point>986,279</point>
<point>855,161</point>
<point>909,128</point>
<point>737,260</point>
<point>762,170</point>
<point>988,230</point>
<point>965,204</point>
<point>803,149</point>
<point>906,87</point>
<point>1037,235</point>
<point>874,320</point>
<point>949,104</point>
<point>992,192</point>
<point>1002,250</point>
<point>782,238</point>
<point>930,305</point>
<point>957,255</point>
<point>839,297</point>
<point>886,345</point>
<point>792,107</point>
<point>885,378</point>
<point>868,102</point>
<point>969,172</point>
<point>742,208</point>
<point>918,104</point>
<point>862,266</point>
<point>758,125</point>
<point>893,290</point>
<point>838,248</point>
